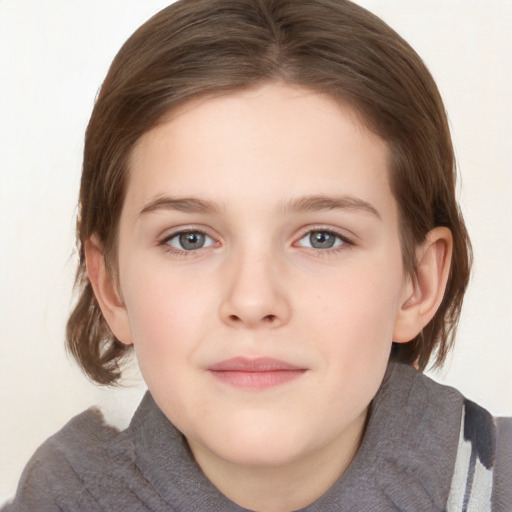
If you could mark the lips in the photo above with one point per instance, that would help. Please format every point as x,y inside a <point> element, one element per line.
<point>257,373</point>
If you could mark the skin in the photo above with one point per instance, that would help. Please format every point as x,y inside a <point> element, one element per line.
<point>254,165</point>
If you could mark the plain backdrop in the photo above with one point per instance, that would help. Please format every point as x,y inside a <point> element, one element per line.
<point>53,57</point>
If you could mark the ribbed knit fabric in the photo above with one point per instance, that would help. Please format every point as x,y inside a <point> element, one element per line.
<point>405,462</point>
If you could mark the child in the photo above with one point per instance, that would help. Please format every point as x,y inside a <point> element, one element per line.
<point>267,216</point>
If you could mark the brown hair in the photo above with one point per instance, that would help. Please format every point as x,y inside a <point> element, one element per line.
<point>204,47</point>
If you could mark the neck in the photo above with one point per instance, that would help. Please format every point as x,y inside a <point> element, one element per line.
<point>292,485</point>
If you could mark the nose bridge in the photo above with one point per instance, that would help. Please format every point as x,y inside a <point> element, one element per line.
<point>254,294</point>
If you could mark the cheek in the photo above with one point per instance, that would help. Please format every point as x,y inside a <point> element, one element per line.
<point>167,315</point>
<point>360,301</point>
<point>353,320</point>
<point>356,325</point>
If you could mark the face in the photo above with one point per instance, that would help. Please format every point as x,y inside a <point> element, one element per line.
<point>261,273</point>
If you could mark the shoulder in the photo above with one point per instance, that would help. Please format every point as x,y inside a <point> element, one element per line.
<point>89,466</point>
<point>456,444</point>
<point>56,477</point>
<point>482,461</point>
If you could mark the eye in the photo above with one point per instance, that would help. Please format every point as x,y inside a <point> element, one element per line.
<point>322,239</point>
<point>189,241</point>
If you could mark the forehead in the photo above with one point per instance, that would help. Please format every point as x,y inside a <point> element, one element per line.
<point>262,144</point>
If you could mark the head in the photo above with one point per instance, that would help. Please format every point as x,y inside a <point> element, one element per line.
<point>194,50</point>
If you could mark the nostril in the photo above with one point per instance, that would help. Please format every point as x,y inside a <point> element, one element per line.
<point>267,319</point>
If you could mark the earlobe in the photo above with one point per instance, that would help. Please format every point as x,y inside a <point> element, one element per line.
<point>105,291</point>
<point>424,292</point>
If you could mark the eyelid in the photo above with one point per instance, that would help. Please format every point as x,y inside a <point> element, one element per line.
<point>347,240</point>
<point>175,232</point>
<point>169,232</point>
<point>209,241</point>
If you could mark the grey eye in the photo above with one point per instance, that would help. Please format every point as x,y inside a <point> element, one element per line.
<point>190,241</point>
<point>321,240</point>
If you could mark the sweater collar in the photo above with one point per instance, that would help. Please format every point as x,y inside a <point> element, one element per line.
<point>405,461</point>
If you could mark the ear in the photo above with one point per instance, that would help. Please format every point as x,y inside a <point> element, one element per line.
<point>106,292</point>
<point>423,292</point>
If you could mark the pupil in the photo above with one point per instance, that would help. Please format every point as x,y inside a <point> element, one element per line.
<point>321,240</point>
<point>191,241</point>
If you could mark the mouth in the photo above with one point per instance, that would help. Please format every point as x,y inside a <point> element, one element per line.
<point>260,373</point>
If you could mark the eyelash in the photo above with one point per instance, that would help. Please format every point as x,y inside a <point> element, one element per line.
<point>165,242</point>
<point>346,242</point>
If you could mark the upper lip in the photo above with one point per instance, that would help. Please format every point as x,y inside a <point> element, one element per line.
<point>245,364</point>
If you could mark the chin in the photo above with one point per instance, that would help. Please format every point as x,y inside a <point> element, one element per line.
<point>258,446</point>
<point>269,455</point>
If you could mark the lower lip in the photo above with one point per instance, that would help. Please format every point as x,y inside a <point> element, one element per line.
<point>256,380</point>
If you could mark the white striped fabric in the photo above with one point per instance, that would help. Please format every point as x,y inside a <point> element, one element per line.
<point>471,483</point>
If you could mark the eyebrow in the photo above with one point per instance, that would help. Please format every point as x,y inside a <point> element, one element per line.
<point>310,203</point>
<point>320,202</point>
<point>182,204</point>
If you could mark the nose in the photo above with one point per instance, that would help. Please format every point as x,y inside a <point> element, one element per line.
<point>255,294</point>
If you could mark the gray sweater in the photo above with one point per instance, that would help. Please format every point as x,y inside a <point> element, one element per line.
<point>406,460</point>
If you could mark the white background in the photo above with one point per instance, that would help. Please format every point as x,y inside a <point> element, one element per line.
<point>53,57</point>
